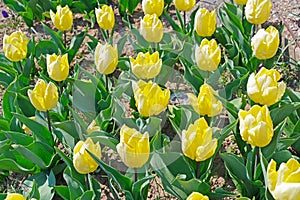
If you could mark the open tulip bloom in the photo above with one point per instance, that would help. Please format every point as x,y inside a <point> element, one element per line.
<point>15,46</point>
<point>63,18</point>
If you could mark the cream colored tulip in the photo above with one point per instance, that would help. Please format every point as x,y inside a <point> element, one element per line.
<point>153,7</point>
<point>15,46</point>
<point>106,58</point>
<point>63,18</point>
<point>58,67</point>
<point>184,5</point>
<point>205,22</point>
<point>152,28</point>
<point>105,17</point>
<point>258,11</point>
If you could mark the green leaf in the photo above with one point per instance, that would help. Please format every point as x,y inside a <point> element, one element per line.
<point>19,138</point>
<point>75,45</point>
<point>104,138</point>
<point>95,187</point>
<point>280,113</point>
<point>46,47</point>
<point>87,195</point>
<point>63,191</point>
<point>56,38</point>
<point>76,186</point>
<point>140,188</point>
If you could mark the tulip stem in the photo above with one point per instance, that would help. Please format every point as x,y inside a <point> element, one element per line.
<point>48,120</point>
<point>106,82</point>
<point>65,38</point>
<point>135,175</point>
<point>184,20</point>
<point>87,181</point>
<point>198,170</point>
<point>256,152</point>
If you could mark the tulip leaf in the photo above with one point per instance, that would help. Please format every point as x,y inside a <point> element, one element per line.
<point>75,45</point>
<point>87,195</point>
<point>56,37</point>
<point>76,186</point>
<point>5,79</point>
<point>140,188</point>
<point>62,191</point>
<point>45,47</point>
<point>95,186</point>
<point>19,138</point>
<point>70,127</point>
<point>172,22</point>
<point>280,113</point>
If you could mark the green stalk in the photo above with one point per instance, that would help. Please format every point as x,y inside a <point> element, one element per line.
<point>48,120</point>
<point>198,169</point>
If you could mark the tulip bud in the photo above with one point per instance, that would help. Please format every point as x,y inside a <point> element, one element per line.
<point>184,5</point>
<point>153,7</point>
<point>14,196</point>
<point>44,96</point>
<point>146,66</point>
<point>241,2</point>
<point>256,126</point>
<point>25,128</point>
<point>284,183</point>
<point>92,127</point>
<point>197,142</point>
<point>151,28</point>
<point>208,55</point>
<point>134,147</point>
<point>258,11</point>
<point>82,160</point>
<point>205,22</point>
<point>197,196</point>
<point>206,103</point>
<point>265,43</point>
<point>150,98</point>
<point>106,58</point>
<point>264,88</point>
<point>15,46</point>
<point>58,67</point>
<point>105,17</point>
<point>63,18</point>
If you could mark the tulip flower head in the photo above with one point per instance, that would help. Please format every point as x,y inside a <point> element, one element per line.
<point>284,183</point>
<point>153,7</point>
<point>15,46</point>
<point>264,88</point>
<point>206,103</point>
<point>205,22</point>
<point>151,28</point>
<point>146,66</point>
<point>197,142</point>
<point>241,2</point>
<point>105,17</point>
<point>197,196</point>
<point>58,67</point>
<point>82,160</point>
<point>256,126</point>
<point>106,58</point>
<point>265,43</point>
<point>208,55</point>
<point>134,147</point>
<point>14,196</point>
<point>184,5</point>
<point>258,11</point>
<point>44,96</point>
<point>150,98</point>
<point>63,18</point>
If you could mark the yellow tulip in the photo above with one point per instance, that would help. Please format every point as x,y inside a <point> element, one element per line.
<point>92,127</point>
<point>208,55</point>
<point>206,103</point>
<point>105,17</point>
<point>284,183</point>
<point>197,196</point>
<point>150,98</point>
<point>63,18</point>
<point>184,5</point>
<point>106,58</point>
<point>258,11</point>
<point>151,28</point>
<point>197,142</point>
<point>58,67</point>
<point>15,46</point>
<point>256,126</point>
<point>264,88</point>
<point>44,96</point>
<point>153,7</point>
<point>82,160</point>
<point>146,66</point>
<point>241,2</point>
<point>14,196</point>
<point>265,43</point>
<point>134,147</point>
<point>25,128</point>
<point>205,22</point>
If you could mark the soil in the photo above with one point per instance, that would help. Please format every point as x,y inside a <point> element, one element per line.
<point>282,13</point>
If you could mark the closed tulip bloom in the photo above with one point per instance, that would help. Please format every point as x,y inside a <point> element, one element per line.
<point>150,98</point>
<point>63,18</point>
<point>44,96</point>
<point>205,22</point>
<point>146,66</point>
<point>82,160</point>
<point>241,2</point>
<point>256,126</point>
<point>14,196</point>
<point>258,11</point>
<point>134,147</point>
<point>92,127</point>
<point>25,128</point>
<point>105,17</point>
<point>265,43</point>
<point>284,183</point>
<point>206,103</point>
<point>151,28</point>
<point>264,88</point>
<point>184,5</point>
<point>153,7</point>
<point>197,142</point>
<point>197,196</point>
<point>106,58</point>
<point>15,46</point>
<point>58,67</point>
<point>208,55</point>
